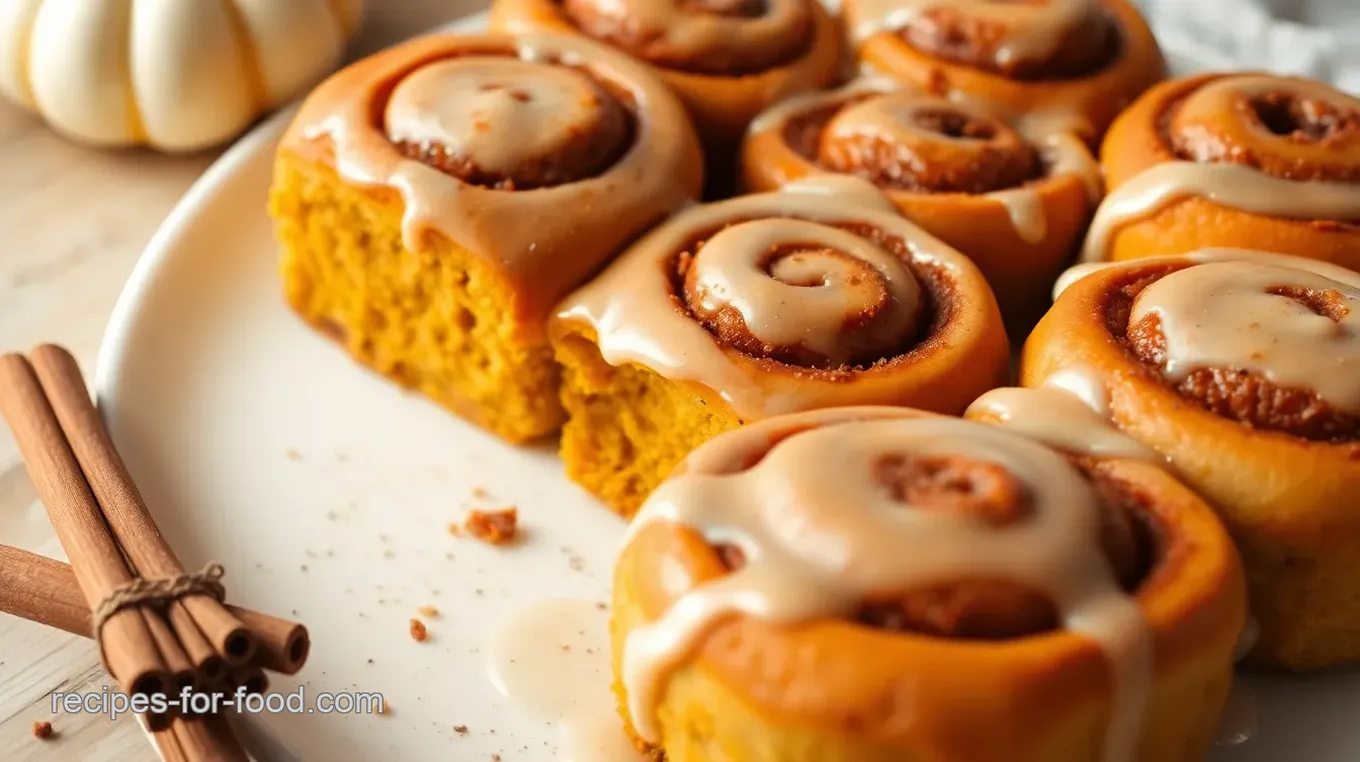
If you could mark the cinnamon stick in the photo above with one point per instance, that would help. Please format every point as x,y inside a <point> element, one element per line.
<point>208,739</point>
<point>122,504</point>
<point>44,590</point>
<point>98,564</point>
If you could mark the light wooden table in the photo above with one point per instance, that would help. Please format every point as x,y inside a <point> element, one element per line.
<point>72,224</point>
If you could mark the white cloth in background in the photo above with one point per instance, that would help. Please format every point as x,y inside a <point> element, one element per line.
<point>1313,38</point>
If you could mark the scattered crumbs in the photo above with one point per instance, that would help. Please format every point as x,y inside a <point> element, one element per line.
<point>383,538</point>
<point>479,591</point>
<point>330,553</point>
<point>495,758</point>
<point>428,611</point>
<point>387,553</point>
<point>304,567</point>
<point>602,606</point>
<point>42,730</point>
<point>382,601</point>
<point>418,633</point>
<point>435,592</point>
<point>456,531</point>
<point>332,516</point>
<point>259,565</point>
<point>370,661</point>
<point>293,454</point>
<point>349,590</point>
<point>448,556</point>
<point>460,729</point>
<point>494,527</point>
<point>566,647</point>
<point>309,553</point>
<point>480,492</point>
<point>295,612</point>
<point>342,457</point>
<point>576,563</point>
<point>362,615</point>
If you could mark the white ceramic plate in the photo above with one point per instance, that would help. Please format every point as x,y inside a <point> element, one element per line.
<point>326,493</point>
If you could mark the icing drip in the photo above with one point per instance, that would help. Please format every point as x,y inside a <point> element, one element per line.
<point>821,532</point>
<point>1069,412</point>
<point>1245,149</point>
<point>466,97</point>
<point>812,295</point>
<point>1234,315</point>
<point>881,108</point>
<point>716,36</point>
<point>635,320</point>
<point>1032,30</point>
<point>1231,185</point>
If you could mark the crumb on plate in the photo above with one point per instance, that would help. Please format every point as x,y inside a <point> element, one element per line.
<point>428,611</point>
<point>418,632</point>
<point>42,730</point>
<point>494,527</point>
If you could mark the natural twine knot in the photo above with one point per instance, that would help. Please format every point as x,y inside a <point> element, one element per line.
<point>158,593</point>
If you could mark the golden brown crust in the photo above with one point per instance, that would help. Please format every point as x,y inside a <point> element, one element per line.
<point>952,35</point>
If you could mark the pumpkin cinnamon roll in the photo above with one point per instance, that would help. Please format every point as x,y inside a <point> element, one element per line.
<point>726,59</point>
<point>1015,196</point>
<point>1080,61</point>
<point>1241,370</point>
<point>882,584</point>
<point>817,296</point>
<point>434,201</point>
<point>1233,160</point>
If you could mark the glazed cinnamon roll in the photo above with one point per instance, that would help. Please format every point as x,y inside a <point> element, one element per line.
<point>435,200</point>
<point>818,296</point>
<point>1015,196</point>
<point>726,59</point>
<point>1081,61</point>
<point>880,584</point>
<point>1241,371</point>
<point>1233,160</point>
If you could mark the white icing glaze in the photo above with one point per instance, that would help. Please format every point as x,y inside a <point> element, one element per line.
<point>552,659</point>
<point>1032,30</point>
<point>1069,412</point>
<point>541,251</point>
<point>887,109</point>
<point>1223,315</point>
<point>686,31</point>
<point>502,111</point>
<point>635,321</point>
<point>805,298</point>
<point>1230,185</point>
<point>820,533</point>
<point>1325,269</point>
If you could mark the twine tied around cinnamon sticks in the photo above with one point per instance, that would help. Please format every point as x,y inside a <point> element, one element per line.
<point>160,629</point>
<point>157,593</point>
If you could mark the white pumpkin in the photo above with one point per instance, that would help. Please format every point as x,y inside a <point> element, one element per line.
<point>178,75</point>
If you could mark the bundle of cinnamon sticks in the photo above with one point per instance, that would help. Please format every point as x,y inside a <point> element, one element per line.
<point>160,630</point>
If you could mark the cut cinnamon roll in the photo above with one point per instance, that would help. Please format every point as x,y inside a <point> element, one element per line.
<point>1080,61</point>
<point>1241,370</point>
<point>726,59</point>
<point>879,584</point>
<point>1233,160</point>
<point>435,200</point>
<point>818,296</point>
<point>1015,196</point>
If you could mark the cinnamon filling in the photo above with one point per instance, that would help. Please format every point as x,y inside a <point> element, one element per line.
<point>865,312</point>
<point>508,124</point>
<point>716,37</point>
<point>1285,128</point>
<point>988,609</point>
<point>953,35</point>
<point>914,143</point>
<point>1245,396</point>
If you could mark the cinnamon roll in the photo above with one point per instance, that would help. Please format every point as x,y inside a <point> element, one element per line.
<point>435,200</point>
<point>879,584</point>
<point>1241,371</point>
<point>726,59</point>
<point>1081,61</point>
<point>1233,160</point>
<point>1014,195</point>
<point>817,296</point>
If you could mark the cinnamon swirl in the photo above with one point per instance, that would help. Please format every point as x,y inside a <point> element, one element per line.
<point>1015,196</point>
<point>419,196</point>
<point>875,584</point>
<point>1081,61</point>
<point>1233,160</point>
<point>1241,370</point>
<point>817,296</point>
<point>726,59</point>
